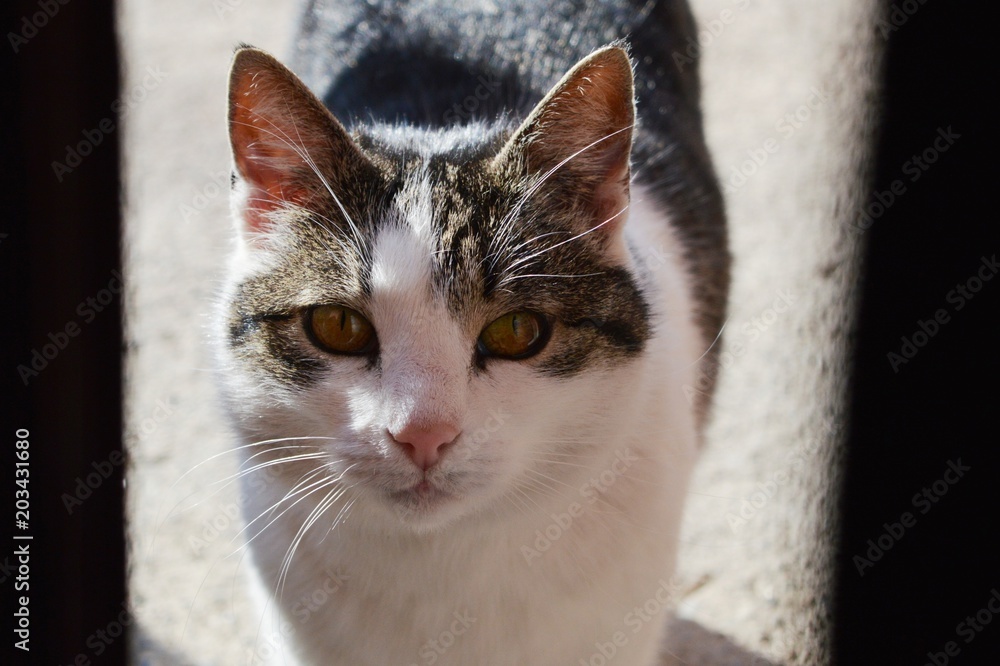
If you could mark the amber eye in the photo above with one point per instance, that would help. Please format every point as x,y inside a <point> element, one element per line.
<point>514,335</point>
<point>340,330</point>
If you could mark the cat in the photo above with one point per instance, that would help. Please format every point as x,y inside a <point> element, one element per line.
<point>480,264</point>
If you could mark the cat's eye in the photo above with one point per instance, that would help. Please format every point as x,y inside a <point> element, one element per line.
<point>340,330</point>
<point>515,335</point>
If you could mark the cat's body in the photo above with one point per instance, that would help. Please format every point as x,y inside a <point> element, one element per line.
<point>483,459</point>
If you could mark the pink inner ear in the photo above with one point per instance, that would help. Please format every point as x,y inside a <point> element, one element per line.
<point>283,139</point>
<point>608,162</point>
<point>611,195</point>
<point>259,143</point>
<point>269,175</point>
<point>583,128</point>
<point>611,200</point>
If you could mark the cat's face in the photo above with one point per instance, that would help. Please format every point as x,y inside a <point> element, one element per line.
<point>442,321</point>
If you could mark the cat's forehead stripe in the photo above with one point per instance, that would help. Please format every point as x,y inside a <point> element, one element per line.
<point>401,261</point>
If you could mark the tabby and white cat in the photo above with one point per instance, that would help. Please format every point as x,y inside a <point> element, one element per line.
<point>458,332</point>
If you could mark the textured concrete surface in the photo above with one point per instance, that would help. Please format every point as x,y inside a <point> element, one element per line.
<point>786,89</point>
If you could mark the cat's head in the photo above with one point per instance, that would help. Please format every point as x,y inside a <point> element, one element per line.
<point>449,320</point>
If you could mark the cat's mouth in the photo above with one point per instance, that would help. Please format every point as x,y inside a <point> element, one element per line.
<point>421,498</point>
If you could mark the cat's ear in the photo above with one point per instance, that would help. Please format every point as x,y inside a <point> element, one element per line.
<point>286,144</point>
<point>580,136</point>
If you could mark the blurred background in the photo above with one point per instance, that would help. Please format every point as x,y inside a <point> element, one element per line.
<point>828,383</point>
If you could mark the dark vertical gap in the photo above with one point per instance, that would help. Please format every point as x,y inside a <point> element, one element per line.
<point>59,252</point>
<point>920,552</point>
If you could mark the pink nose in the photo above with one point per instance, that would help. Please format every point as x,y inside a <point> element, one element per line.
<point>423,443</point>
